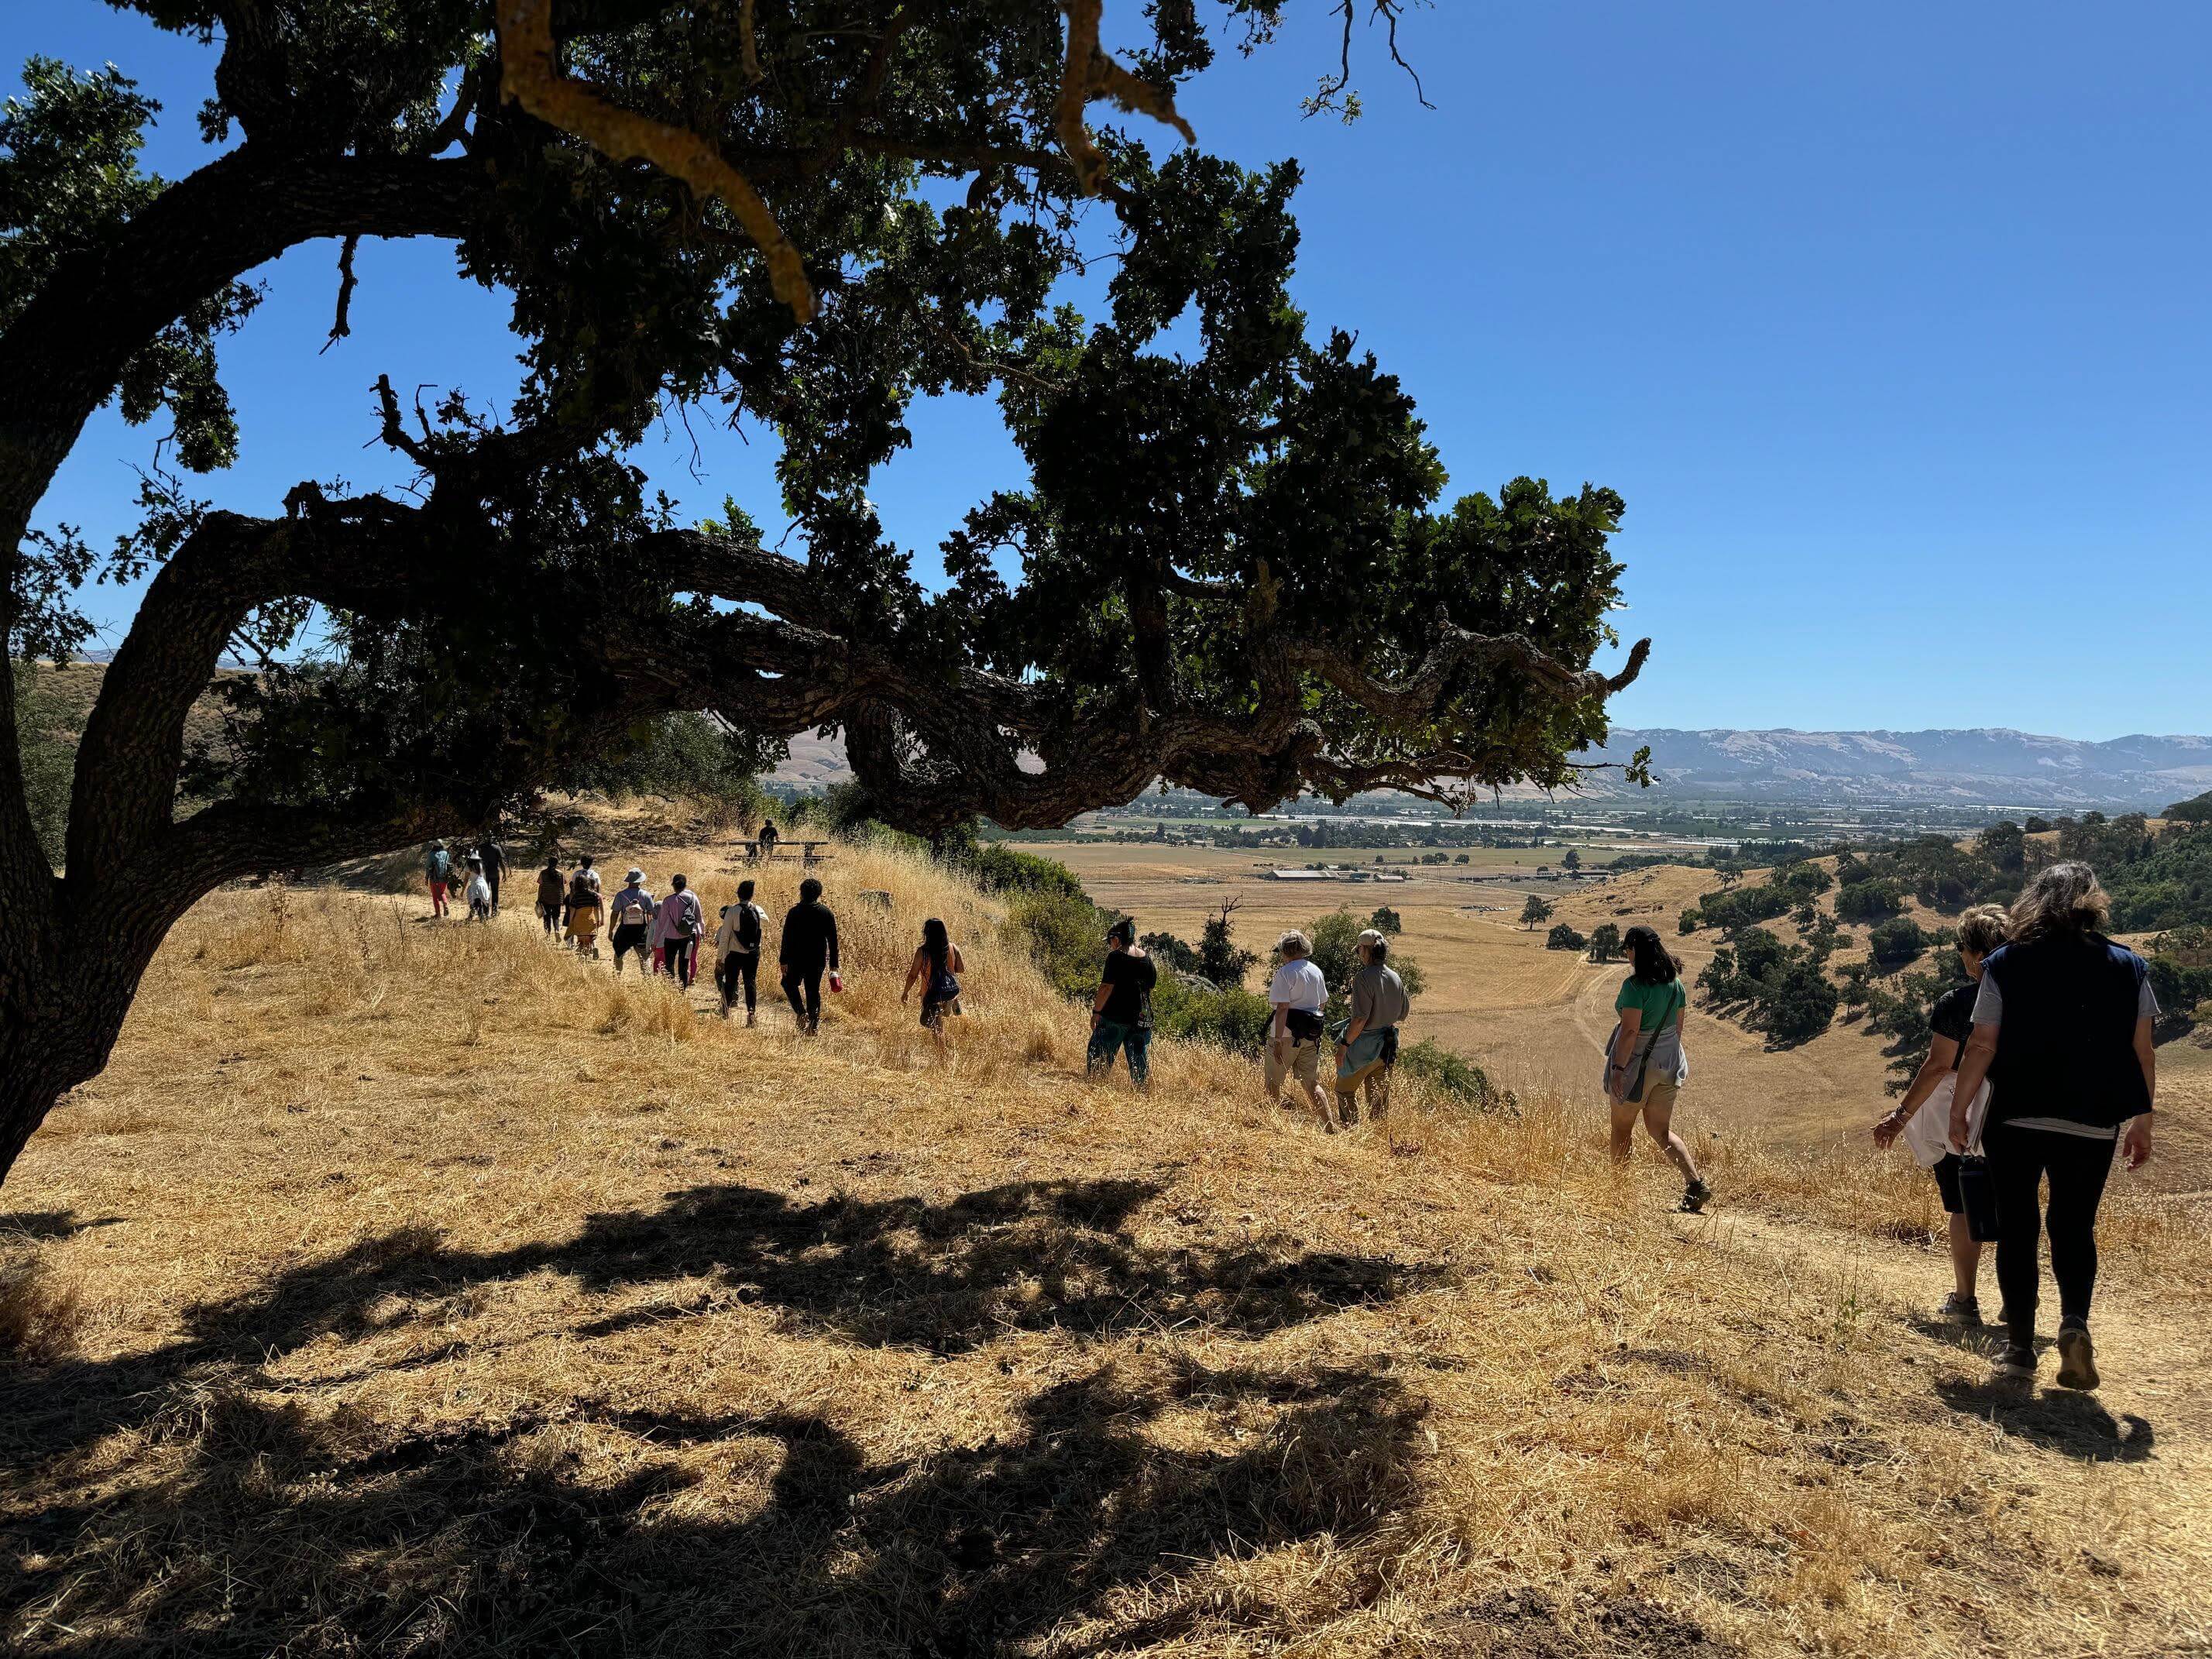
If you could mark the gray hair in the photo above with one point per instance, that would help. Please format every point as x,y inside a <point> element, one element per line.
<point>2064,902</point>
<point>1983,929</point>
<point>1294,944</point>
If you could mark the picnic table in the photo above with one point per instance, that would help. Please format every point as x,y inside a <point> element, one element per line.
<point>807,852</point>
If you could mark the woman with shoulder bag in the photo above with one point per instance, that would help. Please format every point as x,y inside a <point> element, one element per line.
<point>937,965</point>
<point>1645,1065</point>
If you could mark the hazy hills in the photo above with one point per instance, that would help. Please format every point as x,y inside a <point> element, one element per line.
<point>1988,765</point>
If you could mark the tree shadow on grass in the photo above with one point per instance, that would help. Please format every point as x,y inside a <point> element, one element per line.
<point>576,1526</point>
<point>2057,1420</point>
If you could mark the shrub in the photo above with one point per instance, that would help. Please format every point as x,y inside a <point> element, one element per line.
<point>1563,938</point>
<point>1453,1077</point>
<point>1798,1004</point>
<point>1232,1017</point>
<point>1605,942</point>
<point>1385,921</point>
<point>1894,943</point>
<point>1687,921</point>
<point>999,868</point>
<point>1869,900</point>
<point>1066,936</point>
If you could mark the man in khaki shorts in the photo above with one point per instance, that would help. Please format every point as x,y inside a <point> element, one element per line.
<point>1298,993</point>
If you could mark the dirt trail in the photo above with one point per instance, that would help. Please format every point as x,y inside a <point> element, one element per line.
<point>2153,1407</point>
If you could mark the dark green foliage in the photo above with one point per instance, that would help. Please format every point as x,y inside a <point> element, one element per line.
<point>1172,952</point>
<point>48,757</point>
<point>2198,809</point>
<point>999,868</point>
<point>1385,921</point>
<point>1232,1017</point>
<point>1220,959</point>
<point>1605,942</point>
<point>2005,846</point>
<point>1787,887</point>
<point>1688,921</point>
<point>1535,912</point>
<point>1781,988</point>
<point>675,756</point>
<point>1868,900</point>
<point>1896,943</point>
<point>1571,859</point>
<point>1066,938</point>
<point>1563,938</point>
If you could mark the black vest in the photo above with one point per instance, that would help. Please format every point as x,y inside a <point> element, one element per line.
<point>2067,1046</point>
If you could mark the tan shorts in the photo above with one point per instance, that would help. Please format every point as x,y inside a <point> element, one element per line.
<point>1656,1096</point>
<point>1303,1061</point>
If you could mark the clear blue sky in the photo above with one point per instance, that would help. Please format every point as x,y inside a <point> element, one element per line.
<point>1888,321</point>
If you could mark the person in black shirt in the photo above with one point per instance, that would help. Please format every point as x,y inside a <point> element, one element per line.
<point>1950,1022</point>
<point>810,945</point>
<point>494,867</point>
<point>1121,1017</point>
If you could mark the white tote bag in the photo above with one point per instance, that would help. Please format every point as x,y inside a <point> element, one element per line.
<point>1928,1132</point>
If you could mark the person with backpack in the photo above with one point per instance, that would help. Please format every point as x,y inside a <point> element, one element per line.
<point>552,887</point>
<point>1121,1015</point>
<point>494,867</point>
<point>808,947</point>
<point>2064,1033</point>
<point>737,951</point>
<point>1368,1050</point>
<point>588,875</point>
<point>438,871</point>
<point>1644,1067</point>
<point>478,891</point>
<point>677,929</point>
<point>585,912</point>
<point>634,910</point>
<point>937,965</point>
<point>1923,1116</point>
<point>1297,994</point>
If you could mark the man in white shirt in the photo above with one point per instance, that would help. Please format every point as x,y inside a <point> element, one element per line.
<point>1297,994</point>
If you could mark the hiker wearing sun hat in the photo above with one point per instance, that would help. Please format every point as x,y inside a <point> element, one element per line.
<point>633,911</point>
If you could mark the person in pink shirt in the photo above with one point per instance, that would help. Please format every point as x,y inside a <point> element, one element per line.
<point>676,928</point>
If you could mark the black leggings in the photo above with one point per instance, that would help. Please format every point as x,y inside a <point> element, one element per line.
<point>738,968</point>
<point>808,979</point>
<point>2077,1166</point>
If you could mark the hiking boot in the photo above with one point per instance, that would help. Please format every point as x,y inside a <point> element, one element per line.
<point>1961,1310</point>
<point>2077,1358</point>
<point>1695,1196</point>
<point>1350,1114</point>
<point>2017,1363</point>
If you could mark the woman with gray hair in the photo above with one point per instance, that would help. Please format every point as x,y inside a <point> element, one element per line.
<point>1296,995</point>
<point>2062,1032</point>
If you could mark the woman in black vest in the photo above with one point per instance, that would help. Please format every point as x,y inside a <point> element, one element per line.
<point>2063,1031</point>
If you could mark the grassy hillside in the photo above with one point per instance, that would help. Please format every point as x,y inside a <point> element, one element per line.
<point>414,1288</point>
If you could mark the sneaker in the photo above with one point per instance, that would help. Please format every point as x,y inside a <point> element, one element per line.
<point>1961,1310</point>
<point>2077,1358</point>
<point>1695,1197</point>
<point>2017,1362</point>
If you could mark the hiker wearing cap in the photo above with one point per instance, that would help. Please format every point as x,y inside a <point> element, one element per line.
<point>809,947</point>
<point>438,871</point>
<point>635,912</point>
<point>1645,1068</point>
<point>552,887</point>
<point>587,911</point>
<point>1296,995</point>
<point>1923,1116</point>
<point>1369,1047</point>
<point>478,892</point>
<point>1121,1013</point>
<point>677,929</point>
<point>2063,1031</point>
<point>494,867</point>
<point>737,951</point>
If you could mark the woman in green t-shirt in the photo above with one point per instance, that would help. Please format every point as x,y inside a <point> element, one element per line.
<point>1643,1065</point>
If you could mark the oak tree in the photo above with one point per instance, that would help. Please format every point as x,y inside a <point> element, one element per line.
<point>1231,565</point>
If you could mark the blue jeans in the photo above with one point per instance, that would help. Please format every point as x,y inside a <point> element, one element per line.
<point>1111,1037</point>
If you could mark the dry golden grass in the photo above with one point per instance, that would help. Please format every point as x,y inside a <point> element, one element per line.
<point>441,1293</point>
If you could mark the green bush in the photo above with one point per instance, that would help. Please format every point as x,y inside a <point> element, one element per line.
<point>1233,1019</point>
<point>679,756</point>
<point>1896,943</point>
<point>1065,935</point>
<point>1454,1077</point>
<point>999,868</point>
<point>1563,938</point>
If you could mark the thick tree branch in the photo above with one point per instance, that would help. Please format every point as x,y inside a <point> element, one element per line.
<point>1416,697</point>
<point>531,76</point>
<point>1089,73</point>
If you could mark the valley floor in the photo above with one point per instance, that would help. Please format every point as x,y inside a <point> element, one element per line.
<point>418,1288</point>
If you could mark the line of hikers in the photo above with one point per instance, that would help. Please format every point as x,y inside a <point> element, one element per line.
<point>1365,1045</point>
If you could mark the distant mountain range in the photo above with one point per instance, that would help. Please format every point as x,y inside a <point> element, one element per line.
<point>1989,766</point>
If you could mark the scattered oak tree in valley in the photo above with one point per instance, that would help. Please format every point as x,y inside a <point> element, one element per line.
<point>1231,566</point>
<point>1536,912</point>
